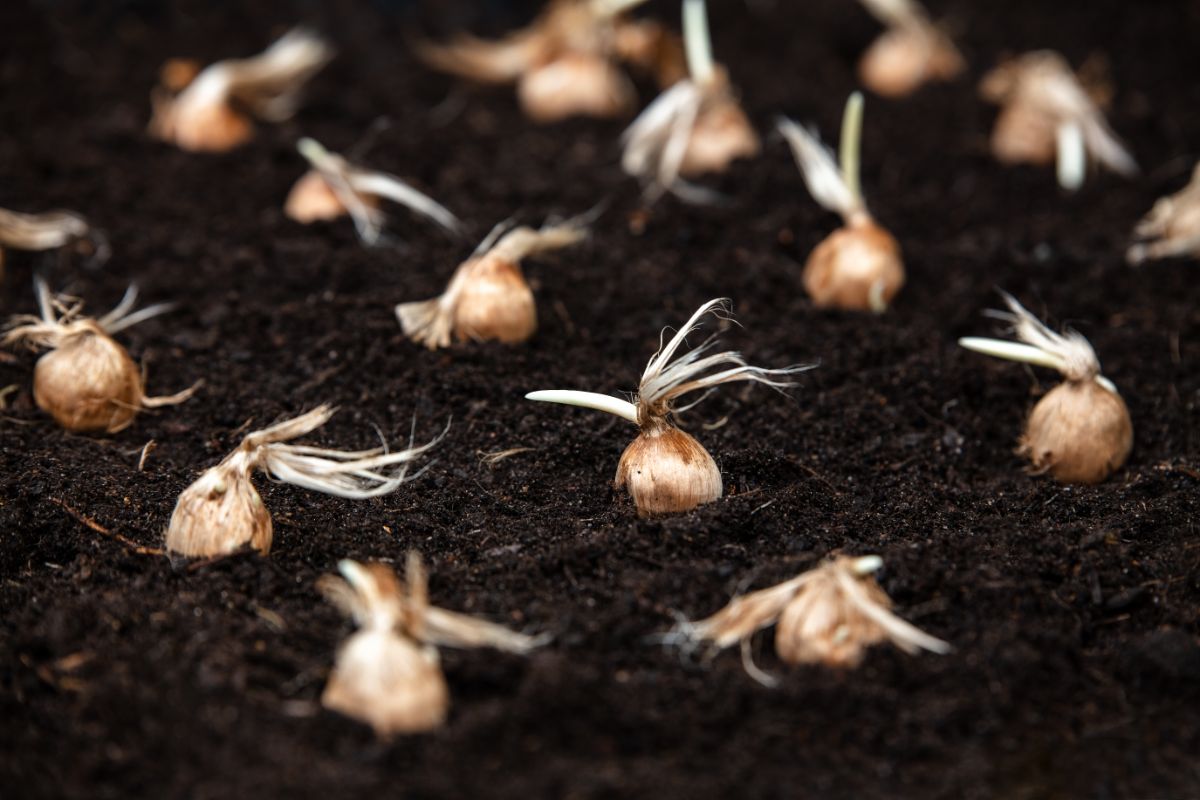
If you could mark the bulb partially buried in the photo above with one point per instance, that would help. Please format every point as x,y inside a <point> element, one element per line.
<point>388,673</point>
<point>829,615</point>
<point>858,267</point>
<point>664,469</point>
<point>87,381</point>
<point>695,127</point>
<point>912,52</point>
<point>1172,228</point>
<point>1046,115</point>
<point>1080,431</point>
<point>211,109</point>
<point>335,187</point>
<point>566,63</point>
<point>488,298</point>
<point>221,511</point>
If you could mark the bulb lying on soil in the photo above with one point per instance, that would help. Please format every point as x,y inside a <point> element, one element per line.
<point>665,470</point>
<point>388,673</point>
<point>1080,431</point>
<point>829,615</point>
<point>1172,228</point>
<point>221,511</point>
<point>1046,115</point>
<point>694,127</point>
<point>565,63</point>
<point>909,54</point>
<point>87,381</point>
<point>488,298</point>
<point>334,187</point>
<point>211,109</point>
<point>47,231</point>
<point>858,267</point>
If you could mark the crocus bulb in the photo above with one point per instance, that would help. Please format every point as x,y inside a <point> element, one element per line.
<point>1046,115</point>
<point>212,109</point>
<point>488,298</point>
<point>334,187</point>
<point>1172,228</point>
<point>695,127</point>
<point>388,673</point>
<point>565,64</point>
<point>829,615</point>
<point>1080,431</point>
<point>86,381</point>
<point>47,231</point>
<point>858,267</point>
<point>665,470</point>
<point>909,54</point>
<point>221,511</point>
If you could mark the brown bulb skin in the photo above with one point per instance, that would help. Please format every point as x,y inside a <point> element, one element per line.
<point>218,514</point>
<point>312,199</point>
<point>1079,432</point>
<point>89,384</point>
<point>575,84</point>
<point>1023,135</point>
<point>666,471</point>
<point>900,61</point>
<point>389,682</point>
<point>721,135</point>
<point>820,627</point>
<point>844,269</point>
<point>496,303</point>
<point>212,128</point>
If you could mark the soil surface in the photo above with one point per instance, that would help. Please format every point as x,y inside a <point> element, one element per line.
<point>1072,610</point>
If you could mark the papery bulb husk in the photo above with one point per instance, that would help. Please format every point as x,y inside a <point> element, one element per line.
<point>1079,432</point>
<point>667,471</point>
<point>88,383</point>
<point>722,133</point>
<point>312,199</point>
<point>389,682</point>
<point>854,265</point>
<point>208,128</point>
<point>653,48</point>
<point>178,73</point>
<point>575,84</point>
<point>819,626</point>
<point>900,61</point>
<point>495,304</point>
<point>220,513</point>
<point>1024,135</point>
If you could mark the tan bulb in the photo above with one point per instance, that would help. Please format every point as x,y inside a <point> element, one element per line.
<point>1080,432</point>
<point>666,471</point>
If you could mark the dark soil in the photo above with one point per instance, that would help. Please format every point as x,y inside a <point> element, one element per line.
<point>1076,669</point>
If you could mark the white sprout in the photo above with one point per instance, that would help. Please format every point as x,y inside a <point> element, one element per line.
<point>667,378</point>
<point>62,316</point>
<point>1068,352</point>
<point>836,188</point>
<point>348,181</point>
<point>354,475</point>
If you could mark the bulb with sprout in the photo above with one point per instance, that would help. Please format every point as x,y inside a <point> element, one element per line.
<point>858,266</point>
<point>212,109</point>
<point>665,470</point>
<point>911,53</point>
<point>567,62</point>
<point>488,298</point>
<point>1047,116</point>
<point>221,511</point>
<point>50,230</point>
<point>87,381</point>
<point>695,127</point>
<point>1080,432</point>
<point>829,615</point>
<point>388,673</point>
<point>1172,228</point>
<point>334,187</point>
